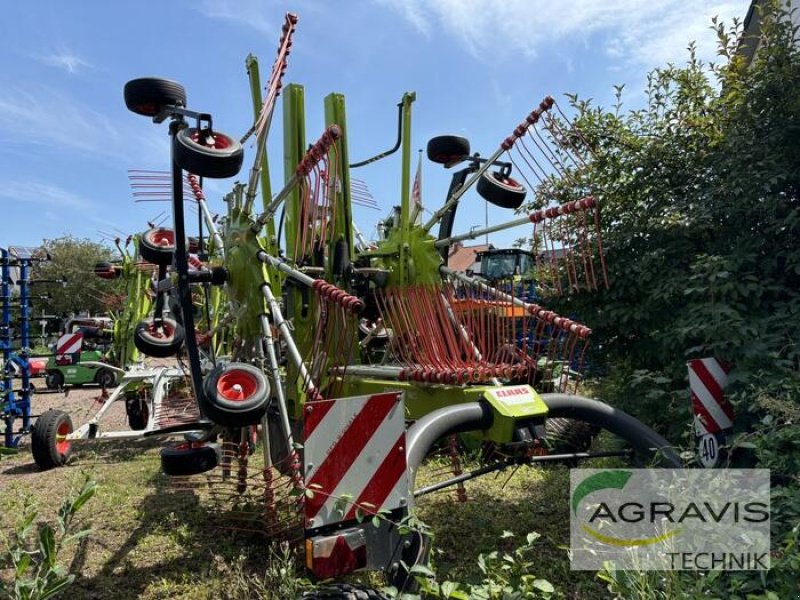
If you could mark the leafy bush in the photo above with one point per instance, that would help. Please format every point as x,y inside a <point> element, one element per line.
<point>700,194</point>
<point>33,549</point>
<point>505,576</point>
<point>701,222</point>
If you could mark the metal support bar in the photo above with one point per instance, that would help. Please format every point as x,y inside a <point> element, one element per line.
<point>283,327</point>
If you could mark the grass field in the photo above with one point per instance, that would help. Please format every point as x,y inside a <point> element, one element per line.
<point>152,540</point>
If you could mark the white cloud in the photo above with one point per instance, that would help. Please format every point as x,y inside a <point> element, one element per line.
<point>45,116</point>
<point>43,194</point>
<point>643,32</point>
<point>64,60</point>
<point>252,13</point>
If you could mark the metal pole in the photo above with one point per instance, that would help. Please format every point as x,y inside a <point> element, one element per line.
<point>182,268</point>
<point>479,232</point>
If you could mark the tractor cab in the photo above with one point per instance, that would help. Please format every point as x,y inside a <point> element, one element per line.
<point>510,270</point>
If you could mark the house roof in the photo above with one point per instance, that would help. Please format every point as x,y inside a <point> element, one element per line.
<point>751,29</point>
<point>462,258</point>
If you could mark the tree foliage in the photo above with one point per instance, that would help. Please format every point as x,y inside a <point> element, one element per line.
<point>699,193</point>
<point>701,225</point>
<point>73,260</point>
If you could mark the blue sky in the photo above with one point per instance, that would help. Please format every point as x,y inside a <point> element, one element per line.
<point>477,67</point>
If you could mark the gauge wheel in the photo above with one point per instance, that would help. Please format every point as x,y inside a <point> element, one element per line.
<point>105,270</point>
<point>189,458</point>
<point>235,395</point>
<point>207,153</point>
<point>159,340</point>
<point>157,246</point>
<point>148,96</point>
<point>49,444</point>
<point>447,150</point>
<point>138,410</point>
<point>500,190</point>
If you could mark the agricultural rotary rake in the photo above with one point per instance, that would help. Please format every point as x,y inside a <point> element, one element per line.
<point>349,363</point>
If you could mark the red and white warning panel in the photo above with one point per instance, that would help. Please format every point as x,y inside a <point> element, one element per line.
<point>67,345</point>
<point>355,455</point>
<point>707,380</point>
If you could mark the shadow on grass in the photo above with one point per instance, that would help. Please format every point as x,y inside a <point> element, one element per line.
<point>178,547</point>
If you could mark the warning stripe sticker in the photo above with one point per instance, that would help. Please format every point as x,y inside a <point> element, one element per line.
<point>69,343</point>
<point>707,379</point>
<point>354,451</point>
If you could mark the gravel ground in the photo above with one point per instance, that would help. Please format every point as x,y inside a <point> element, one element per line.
<point>82,404</point>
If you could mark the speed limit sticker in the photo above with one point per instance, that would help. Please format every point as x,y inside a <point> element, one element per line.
<point>708,450</point>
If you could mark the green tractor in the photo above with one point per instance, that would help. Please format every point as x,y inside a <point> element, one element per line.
<point>80,353</point>
<point>509,269</point>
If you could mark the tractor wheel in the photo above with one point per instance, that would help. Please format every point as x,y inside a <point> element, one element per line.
<point>54,379</point>
<point>157,246</point>
<point>501,191</point>
<point>235,395</point>
<point>138,411</point>
<point>49,445</point>
<point>158,340</point>
<point>207,154</point>
<point>447,150</point>
<point>148,96</point>
<point>188,458</point>
<point>344,591</point>
<point>105,378</point>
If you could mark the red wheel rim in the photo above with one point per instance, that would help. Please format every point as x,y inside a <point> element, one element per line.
<point>189,446</point>
<point>163,332</point>
<point>506,181</point>
<point>236,385</point>
<point>220,142</point>
<point>164,238</point>
<point>62,443</point>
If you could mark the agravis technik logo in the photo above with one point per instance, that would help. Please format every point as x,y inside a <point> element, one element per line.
<point>670,518</point>
<point>612,480</point>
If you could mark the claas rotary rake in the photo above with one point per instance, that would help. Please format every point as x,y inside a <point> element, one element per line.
<point>329,369</point>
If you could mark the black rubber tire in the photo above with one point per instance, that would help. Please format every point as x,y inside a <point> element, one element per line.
<point>138,412</point>
<point>501,191</point>
<point>447,150</point>
<point>222,160</point>
<point>188,459</point>
<point>148,96</point>
<point>152,246</point>
<point>344,591</point>
<point>106,270</point>
<point>47,451</point>
<point>54,379</point>
<point>228,411</point>
<point>648,447</point>
<point>105,378</point>
<point>159,345</point>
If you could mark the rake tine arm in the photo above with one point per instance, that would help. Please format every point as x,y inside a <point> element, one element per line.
<point>322,287</point>
<point>535,217</point>
<point>567,325</point>
<point>307,164</point>
<point>262,124</point>
<point>507,144</point>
